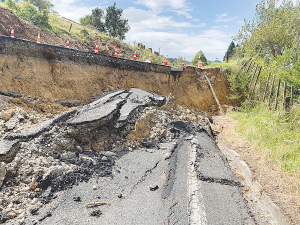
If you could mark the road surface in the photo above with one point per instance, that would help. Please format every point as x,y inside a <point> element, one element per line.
<point>183,180</point>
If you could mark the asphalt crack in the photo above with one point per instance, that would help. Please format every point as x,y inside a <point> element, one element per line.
<point>219,181</point>
<point>144,176</point>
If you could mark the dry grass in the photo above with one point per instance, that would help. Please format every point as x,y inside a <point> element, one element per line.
<point>281,186</point>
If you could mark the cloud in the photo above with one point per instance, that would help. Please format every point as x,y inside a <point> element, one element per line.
<point>159,4</point>
<point>225,18</point>
<point>180,7</point>
<point>212,42</point>
<point>72,9</point>
<point>140,19</point>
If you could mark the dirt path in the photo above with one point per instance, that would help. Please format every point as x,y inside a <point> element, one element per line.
<point>281,187</point>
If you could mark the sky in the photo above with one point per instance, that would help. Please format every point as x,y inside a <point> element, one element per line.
<point>174,27</point>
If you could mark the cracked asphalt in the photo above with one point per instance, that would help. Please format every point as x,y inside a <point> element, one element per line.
<point>183,181</point>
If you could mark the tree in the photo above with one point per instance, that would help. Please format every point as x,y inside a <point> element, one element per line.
<point>231,50</point>
<point>95,19</point>
<point>114,24</point>
<point>202,57</point>
<point>274,29</point>
<point>42,4</point>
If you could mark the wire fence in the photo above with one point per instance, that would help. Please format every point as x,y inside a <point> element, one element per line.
<point>272,90</point>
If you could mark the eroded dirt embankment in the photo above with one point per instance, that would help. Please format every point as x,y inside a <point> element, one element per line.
<point>51,72</point>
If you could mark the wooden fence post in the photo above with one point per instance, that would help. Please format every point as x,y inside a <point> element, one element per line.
<point>271,90</point>
<point>256,79</point>
<point>266,89</point>
<point>277,94</point>
<point>284,97</point>
<point>227,56</point>
<point>292,96</point>
<point>252,78</point>
<point>245,64</point>
<point>249,66</point>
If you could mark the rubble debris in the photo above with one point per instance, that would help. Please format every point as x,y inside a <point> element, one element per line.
<point>69,103</point>
<point>154,188</point>
<point>77,199</point>
<point>48,214</point>
<point>108,154</point>
<point>12,122</point>
<point>44,156</point>
<point>14,94</point>
<point>95,204</point>
<point>3,217</point>
<point>2,173</point>
<point>34,211</point>
<point>96,213</point>
<point>11,94</point>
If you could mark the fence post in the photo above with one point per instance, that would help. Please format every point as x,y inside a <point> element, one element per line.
<point>249,66</point>
<point>277,94</point>
<point>273,82</point>
<point>292,96</point>
<point>245,64</point>
<point>256,79</point>
<point>252,78</point>
<point>266,89</point>
<point>284,97</point>
<point>227,56</point>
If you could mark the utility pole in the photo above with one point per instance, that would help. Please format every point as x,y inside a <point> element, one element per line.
<point>159,50</point>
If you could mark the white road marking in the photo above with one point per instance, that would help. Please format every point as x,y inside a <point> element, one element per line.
<point>197,214</point>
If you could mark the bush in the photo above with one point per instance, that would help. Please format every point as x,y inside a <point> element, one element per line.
<point>29,13</point>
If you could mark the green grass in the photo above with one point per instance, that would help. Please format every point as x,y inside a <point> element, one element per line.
<point>276,133</point>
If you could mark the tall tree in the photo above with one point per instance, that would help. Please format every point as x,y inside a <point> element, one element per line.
<point>231,50</point>
<point>95,19</point>
<point>274,29</point>
<point>115,25</point>
<point>202,57</point>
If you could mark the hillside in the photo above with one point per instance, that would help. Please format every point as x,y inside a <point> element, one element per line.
<point>81,37</point>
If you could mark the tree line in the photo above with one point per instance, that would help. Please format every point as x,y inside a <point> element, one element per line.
<point>111,23</point>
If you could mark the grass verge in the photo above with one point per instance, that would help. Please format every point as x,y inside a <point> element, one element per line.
<point>276,134</point>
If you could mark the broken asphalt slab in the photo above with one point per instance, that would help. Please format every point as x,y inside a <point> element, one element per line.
<point>103,112</point>
<point>35,130</point>
<point>139,98</point>
<point>8,149</point>
<point>211,165</point>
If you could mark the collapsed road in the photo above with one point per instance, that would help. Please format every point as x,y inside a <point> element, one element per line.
<point>127,158</point>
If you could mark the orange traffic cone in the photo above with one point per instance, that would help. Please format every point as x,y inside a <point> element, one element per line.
<point>12,33</point>
<point>134,55</point>
<point>116,52</point>
<point>150,57</point>
<point>199,63</point>
<point>39,38</point>
<point>183,62</point>
<point>96,49</point>
<point>166,63</point>
<point>68,43</point>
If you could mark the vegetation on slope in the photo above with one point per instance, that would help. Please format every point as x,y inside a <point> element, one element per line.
<point>271,39</point>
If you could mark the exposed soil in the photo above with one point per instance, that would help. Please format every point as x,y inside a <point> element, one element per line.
<point>281,187</point>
